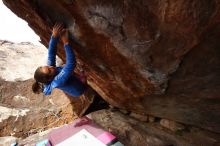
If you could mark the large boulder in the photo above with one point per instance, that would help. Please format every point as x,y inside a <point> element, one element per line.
<point>151,57</point>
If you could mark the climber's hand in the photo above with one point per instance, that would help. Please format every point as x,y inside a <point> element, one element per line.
<point>65,36</point>
<point>58,27</point>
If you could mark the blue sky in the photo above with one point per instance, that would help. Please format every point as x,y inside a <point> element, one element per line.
<point>13,28</point>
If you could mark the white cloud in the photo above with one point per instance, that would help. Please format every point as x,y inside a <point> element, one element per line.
<point>14,29</point>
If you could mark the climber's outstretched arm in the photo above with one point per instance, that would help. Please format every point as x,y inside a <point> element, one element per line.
<point>68,68</point>
<point>52,50</point>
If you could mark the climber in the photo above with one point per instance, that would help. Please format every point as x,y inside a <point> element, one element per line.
<point>50,77</point>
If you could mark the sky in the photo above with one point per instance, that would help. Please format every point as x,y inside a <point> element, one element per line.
<point>14,29</point>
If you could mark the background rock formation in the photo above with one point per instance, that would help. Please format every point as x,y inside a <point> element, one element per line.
<point>19,60</point>
<point>149,56</point>
<point>32,113</point>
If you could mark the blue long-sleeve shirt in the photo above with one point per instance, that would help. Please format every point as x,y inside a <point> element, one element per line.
<point>64,79</point>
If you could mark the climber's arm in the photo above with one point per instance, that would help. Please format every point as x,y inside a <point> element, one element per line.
<point>68,68</point>
<point>52,49</point>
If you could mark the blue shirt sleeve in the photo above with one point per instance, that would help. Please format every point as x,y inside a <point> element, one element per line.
<point>68,68</point>
<point>52,50</point>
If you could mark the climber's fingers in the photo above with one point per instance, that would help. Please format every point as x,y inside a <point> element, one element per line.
<point>58,27</point>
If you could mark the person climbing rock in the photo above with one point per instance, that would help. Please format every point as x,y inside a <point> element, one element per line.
<point>50,77</point>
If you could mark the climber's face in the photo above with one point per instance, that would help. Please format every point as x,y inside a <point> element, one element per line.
<point>49,70</point>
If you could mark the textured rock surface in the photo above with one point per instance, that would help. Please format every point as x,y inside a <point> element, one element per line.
<point>132,132</point>
<point>39,112</point>
<point>148,56</point>
<point>18,61</point>
<point>42,112</point>
<point>174,126</point>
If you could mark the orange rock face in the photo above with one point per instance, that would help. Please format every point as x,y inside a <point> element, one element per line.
<point>148,56</point>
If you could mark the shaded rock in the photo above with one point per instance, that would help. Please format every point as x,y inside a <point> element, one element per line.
<point>124,111</point>
<point>143,118</point>
<point>174,126</point>
<point>132,132</point>
<point>151,119</point>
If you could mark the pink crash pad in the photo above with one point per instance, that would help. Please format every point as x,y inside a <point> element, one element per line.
<point>57,136</point>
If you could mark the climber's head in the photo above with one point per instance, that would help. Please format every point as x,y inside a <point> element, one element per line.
<point>43,75</point>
